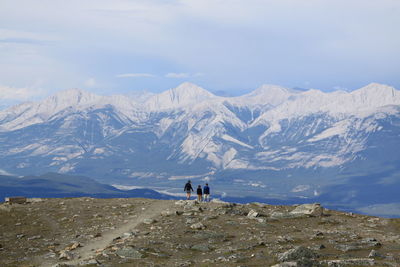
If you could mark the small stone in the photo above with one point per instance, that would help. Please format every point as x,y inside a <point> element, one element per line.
<point>89,262</point>
<point>149,221</point>
<point>97,235</point>
<point>166,213</point>
<point>127,234</point>
<point>374,254</point>
<point>34,237</point>
<point>50,255</point>
<point>75,245</point>
<point>65,255</point>
<point>286,264</point>
<point>198,226</point>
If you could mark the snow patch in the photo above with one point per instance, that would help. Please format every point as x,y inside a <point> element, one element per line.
<point>233,140</point>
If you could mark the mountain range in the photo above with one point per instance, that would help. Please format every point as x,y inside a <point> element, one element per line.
<point>273,142</point>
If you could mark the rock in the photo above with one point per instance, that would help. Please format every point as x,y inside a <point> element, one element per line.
<point>89,262</point>
<point>201,247</point>
<point>50,255</point>
<point>283,215</point>
<point>97,235</point>
<point>286,264</point>
<point>167,213</point>
<point>210,235</point>
<point>374,254</point>
<point>127,234</point>
<point>297,253</point>
<point>65,255</point>
<point>363,244</point>
<point>75,245</point>
<point>129,252</point>
<point>192,208</point>
<point>261,220</point>
<point>34,237</point>
<point>180,202</point>
<point>217,200</point>
<point>190,220</point>
<point>20,236</point>
<point>211,217</point>
<point>149,221</point>
<point>15,200</point>
<point>349,262</point>
<point>308,209</point>
<point>252,214</point>
<point>198,226</point>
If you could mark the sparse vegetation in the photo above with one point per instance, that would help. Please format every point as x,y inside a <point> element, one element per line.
<point>144,232</point>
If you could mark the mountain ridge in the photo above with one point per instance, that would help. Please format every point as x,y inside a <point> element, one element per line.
<point>293,144</point>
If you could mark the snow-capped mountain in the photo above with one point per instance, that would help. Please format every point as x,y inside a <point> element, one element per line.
<point>189,132</point>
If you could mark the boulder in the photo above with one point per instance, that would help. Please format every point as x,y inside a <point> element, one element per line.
<point>129,252</point>
<point>15,200</point>
<point>201,247</point>
<point>308,209</point>
<point>297,253</point>
<point>252,214</point>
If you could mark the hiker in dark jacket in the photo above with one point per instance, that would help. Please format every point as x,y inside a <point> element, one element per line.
<point>188,189</point>
<point>206,191</point>
<point>199,194</point>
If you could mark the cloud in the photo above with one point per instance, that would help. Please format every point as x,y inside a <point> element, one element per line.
<point>135,75</point>
<point>91,82</point>
<point>301,188</point>
<point>19,94</point>
<point>252,42</point>
<point>177,75</point>
<point>183,75</point>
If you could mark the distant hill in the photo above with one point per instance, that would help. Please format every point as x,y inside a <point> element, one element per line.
<point>53,185</point>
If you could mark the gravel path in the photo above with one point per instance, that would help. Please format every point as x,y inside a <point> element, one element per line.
<point>88,251</point>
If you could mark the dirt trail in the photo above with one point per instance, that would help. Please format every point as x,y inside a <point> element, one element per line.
<point>89,250</point>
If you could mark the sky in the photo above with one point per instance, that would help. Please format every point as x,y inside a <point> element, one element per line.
<point>225,46</point>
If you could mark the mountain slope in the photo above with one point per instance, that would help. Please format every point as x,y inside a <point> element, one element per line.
<point>273,141</point>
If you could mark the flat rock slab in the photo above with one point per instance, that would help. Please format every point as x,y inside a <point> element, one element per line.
<point>129,252</point>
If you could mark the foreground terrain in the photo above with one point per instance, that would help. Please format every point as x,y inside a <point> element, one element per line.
<point>147,232</point>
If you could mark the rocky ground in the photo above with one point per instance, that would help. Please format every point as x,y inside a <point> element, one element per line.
<point>146,232</point>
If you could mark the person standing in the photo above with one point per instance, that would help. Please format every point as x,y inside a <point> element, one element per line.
<point>199,194</point>
<point>188,189</point>
<point>206,191</point>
